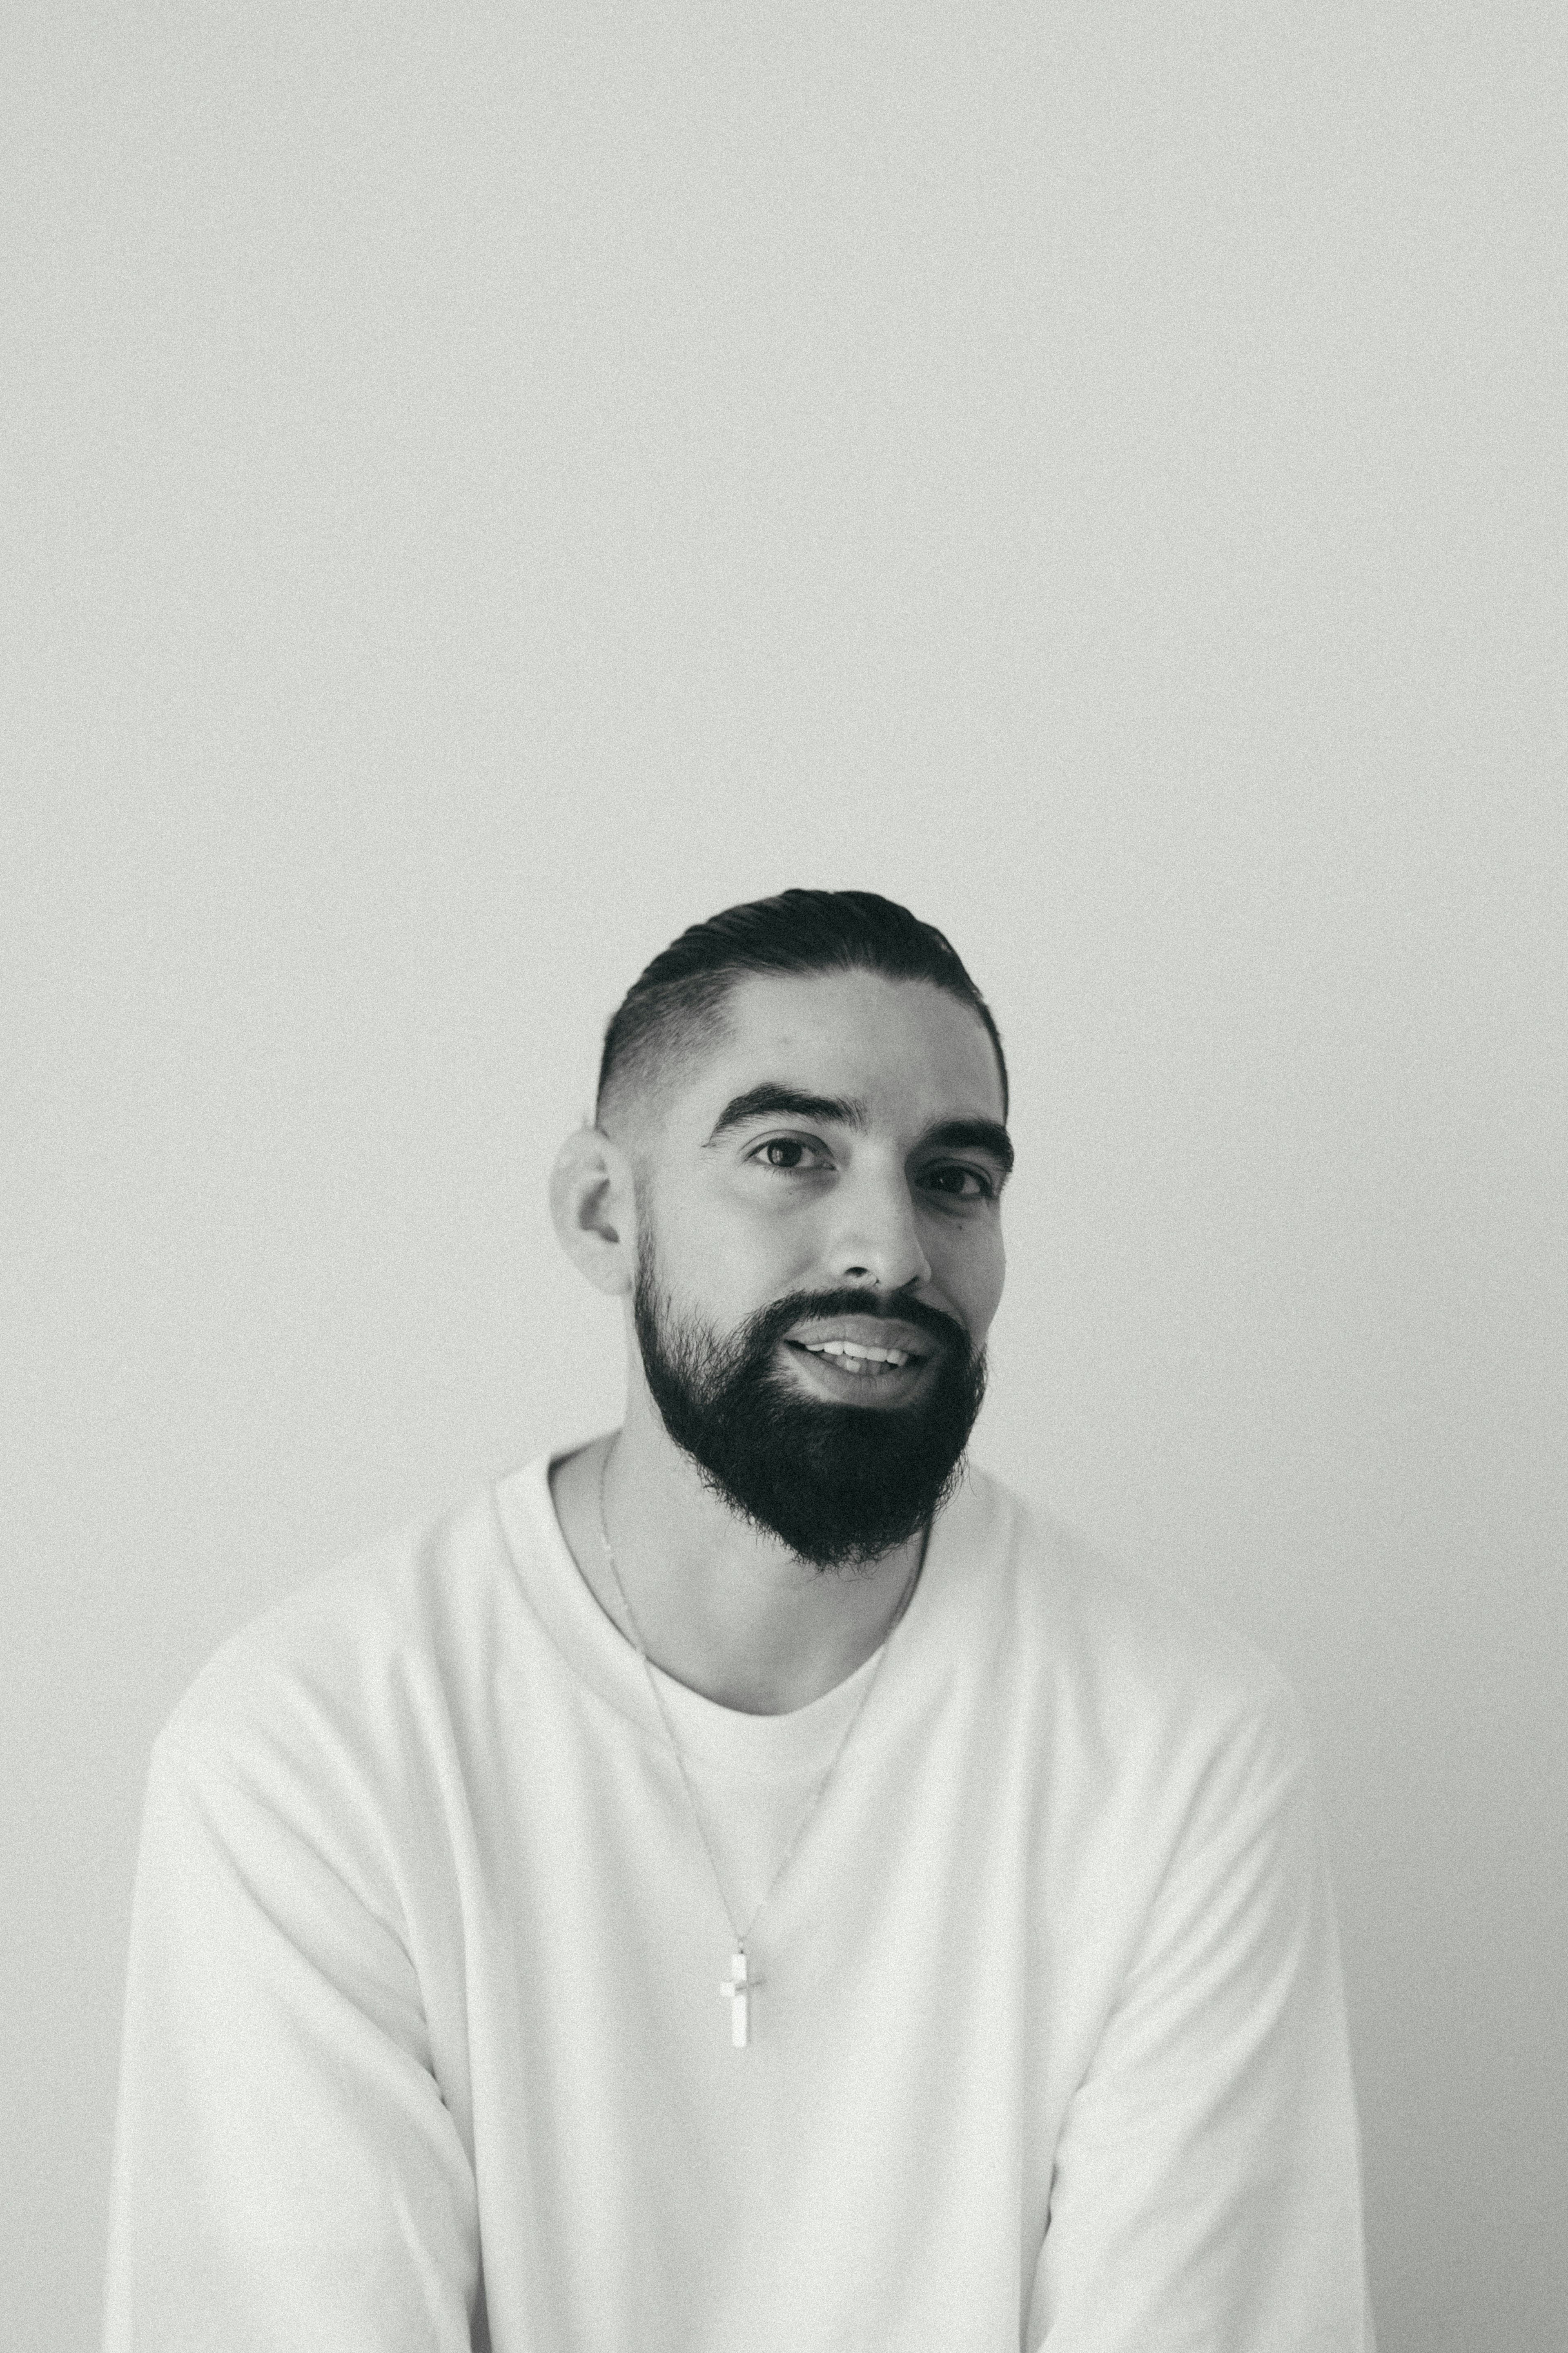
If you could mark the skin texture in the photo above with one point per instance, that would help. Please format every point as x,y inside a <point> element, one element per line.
<point>782,1204</point>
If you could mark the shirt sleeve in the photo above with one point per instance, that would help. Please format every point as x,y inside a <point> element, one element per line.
<point>287,2175</point>
<point>1207,2190</point>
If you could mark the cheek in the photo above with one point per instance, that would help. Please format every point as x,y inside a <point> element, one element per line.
<point>977,1273</point>
<point>727,1258</point>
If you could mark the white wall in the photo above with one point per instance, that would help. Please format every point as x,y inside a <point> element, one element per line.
<point>495,486</point>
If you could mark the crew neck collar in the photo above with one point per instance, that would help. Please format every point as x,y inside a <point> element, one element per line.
<point>597,1649</point>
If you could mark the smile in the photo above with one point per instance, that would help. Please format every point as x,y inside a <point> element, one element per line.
<point>842,1365</point>
<point>855,1355</point>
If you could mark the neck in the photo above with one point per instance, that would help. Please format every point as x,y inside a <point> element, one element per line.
<point>721,1607</point>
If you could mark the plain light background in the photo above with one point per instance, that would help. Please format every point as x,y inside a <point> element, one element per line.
<point>488,488</point>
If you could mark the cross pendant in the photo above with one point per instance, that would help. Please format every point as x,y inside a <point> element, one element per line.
<point>737,1991</point>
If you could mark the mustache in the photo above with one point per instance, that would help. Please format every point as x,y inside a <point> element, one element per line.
<point>770,1324</point>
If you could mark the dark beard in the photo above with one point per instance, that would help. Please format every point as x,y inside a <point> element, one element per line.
<point>841,1485</point>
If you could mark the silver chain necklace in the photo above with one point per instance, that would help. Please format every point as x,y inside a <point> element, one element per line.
<point>741,1984</point>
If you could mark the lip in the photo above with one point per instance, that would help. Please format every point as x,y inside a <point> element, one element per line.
<point>892,1387</point>
<point>869,1332</point>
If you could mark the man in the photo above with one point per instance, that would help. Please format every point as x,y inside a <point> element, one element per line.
<point>745,1883</point>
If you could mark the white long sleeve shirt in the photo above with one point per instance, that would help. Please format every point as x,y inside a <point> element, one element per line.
<point>424,2048</point>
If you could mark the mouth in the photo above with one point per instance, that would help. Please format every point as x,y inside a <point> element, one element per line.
<point>857,1381</point>
<point>857,1363</point>
<point>862,1370</point>
<point>862,1363</point>
<point>864,1338</point>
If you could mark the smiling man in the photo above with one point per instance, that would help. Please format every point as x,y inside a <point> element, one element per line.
<point>746,1882</point>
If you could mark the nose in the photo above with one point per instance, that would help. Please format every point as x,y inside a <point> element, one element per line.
<point>877,1240</point>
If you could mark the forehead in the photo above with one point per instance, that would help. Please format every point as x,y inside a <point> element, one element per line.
<point>911,1052</point>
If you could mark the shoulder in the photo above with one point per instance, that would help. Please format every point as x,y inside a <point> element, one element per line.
<point>1128,1665</point>
<point>362,1664</point>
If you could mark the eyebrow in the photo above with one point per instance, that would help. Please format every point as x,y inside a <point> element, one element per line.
<point>770,1100</point>
<point>974,1135</point>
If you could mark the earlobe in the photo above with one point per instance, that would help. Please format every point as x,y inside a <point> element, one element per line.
<point>592,1203</point>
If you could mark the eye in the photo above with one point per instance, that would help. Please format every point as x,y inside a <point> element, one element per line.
<point>789,1152</point>
<point>961,1184</point>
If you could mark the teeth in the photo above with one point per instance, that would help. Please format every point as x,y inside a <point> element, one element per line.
<point>855,1349</point>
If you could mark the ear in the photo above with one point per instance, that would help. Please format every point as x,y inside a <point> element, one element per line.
<point>593,1200</point>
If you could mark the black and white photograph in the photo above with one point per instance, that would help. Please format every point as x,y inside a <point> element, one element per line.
<point>786,1033</point>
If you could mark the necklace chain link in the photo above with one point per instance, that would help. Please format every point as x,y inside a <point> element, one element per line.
<point>742,1935</point>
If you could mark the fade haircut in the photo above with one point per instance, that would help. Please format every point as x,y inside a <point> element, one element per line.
<point>674,1010</point>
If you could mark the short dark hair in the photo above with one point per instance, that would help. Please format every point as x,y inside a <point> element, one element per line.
<point>678,1003</point>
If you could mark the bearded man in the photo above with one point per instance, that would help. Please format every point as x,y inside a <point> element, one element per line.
<point>746,1883</point>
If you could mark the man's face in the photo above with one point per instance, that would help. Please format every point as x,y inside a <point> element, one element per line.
<point>820,1255</point>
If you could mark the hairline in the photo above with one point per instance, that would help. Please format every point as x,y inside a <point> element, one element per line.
<point>702,1026</point>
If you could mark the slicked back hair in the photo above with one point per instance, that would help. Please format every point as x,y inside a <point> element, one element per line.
<point>675,1009</point>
